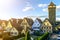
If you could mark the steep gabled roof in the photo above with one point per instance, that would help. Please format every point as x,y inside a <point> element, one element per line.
<point>39,20</point>
<point>16,25</point>
<point>4,22</point>
<point>19,28</point>
<point>13,20</point>
<point>19,21</point>
<point>29,20</point>
<point>47,21</point>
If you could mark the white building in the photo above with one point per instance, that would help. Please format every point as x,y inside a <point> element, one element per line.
<point>37,24</point>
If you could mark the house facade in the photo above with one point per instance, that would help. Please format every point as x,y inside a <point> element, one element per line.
<point>37,25</point>
<point>9,26</point>
<point>46,26</point>
<point>13,27</point>
<point>26,24</point>
<point>4,24</point>
<point>14,32</point>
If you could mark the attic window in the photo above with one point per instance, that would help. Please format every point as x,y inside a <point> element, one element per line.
<point>49,27</point>
<point>15,33</point>
<point>11,32</point>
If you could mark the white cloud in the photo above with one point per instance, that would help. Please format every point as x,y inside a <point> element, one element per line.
<point>58,8</point>
<point>42,5</point>
<point>45,9</point>
<point>58,19</point>
<point>28,4</point>
<point>28,7</point>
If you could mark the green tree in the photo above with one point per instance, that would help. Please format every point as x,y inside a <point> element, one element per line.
<point>37,33</point>
<point>27,36</point>
<point>45,36</point>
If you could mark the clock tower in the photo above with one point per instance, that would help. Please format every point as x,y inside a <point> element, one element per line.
<point>52,12</point>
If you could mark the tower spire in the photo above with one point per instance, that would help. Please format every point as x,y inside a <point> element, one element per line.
<point>52,4</point>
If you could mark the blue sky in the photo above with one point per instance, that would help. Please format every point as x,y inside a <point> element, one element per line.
<point>22,8</point>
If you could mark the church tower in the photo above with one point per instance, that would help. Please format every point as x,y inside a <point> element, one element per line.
<point>52,12</point>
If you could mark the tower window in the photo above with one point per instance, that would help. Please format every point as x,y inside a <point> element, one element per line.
<point>53,6</point>
<point>50,6</point>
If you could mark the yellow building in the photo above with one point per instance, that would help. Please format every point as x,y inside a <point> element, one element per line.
<point>14,32</point>
<point>9,26</point>
<point>46,26</point>
<point>4,24</point>
<point>26,24</point>
<point>13,28</point>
